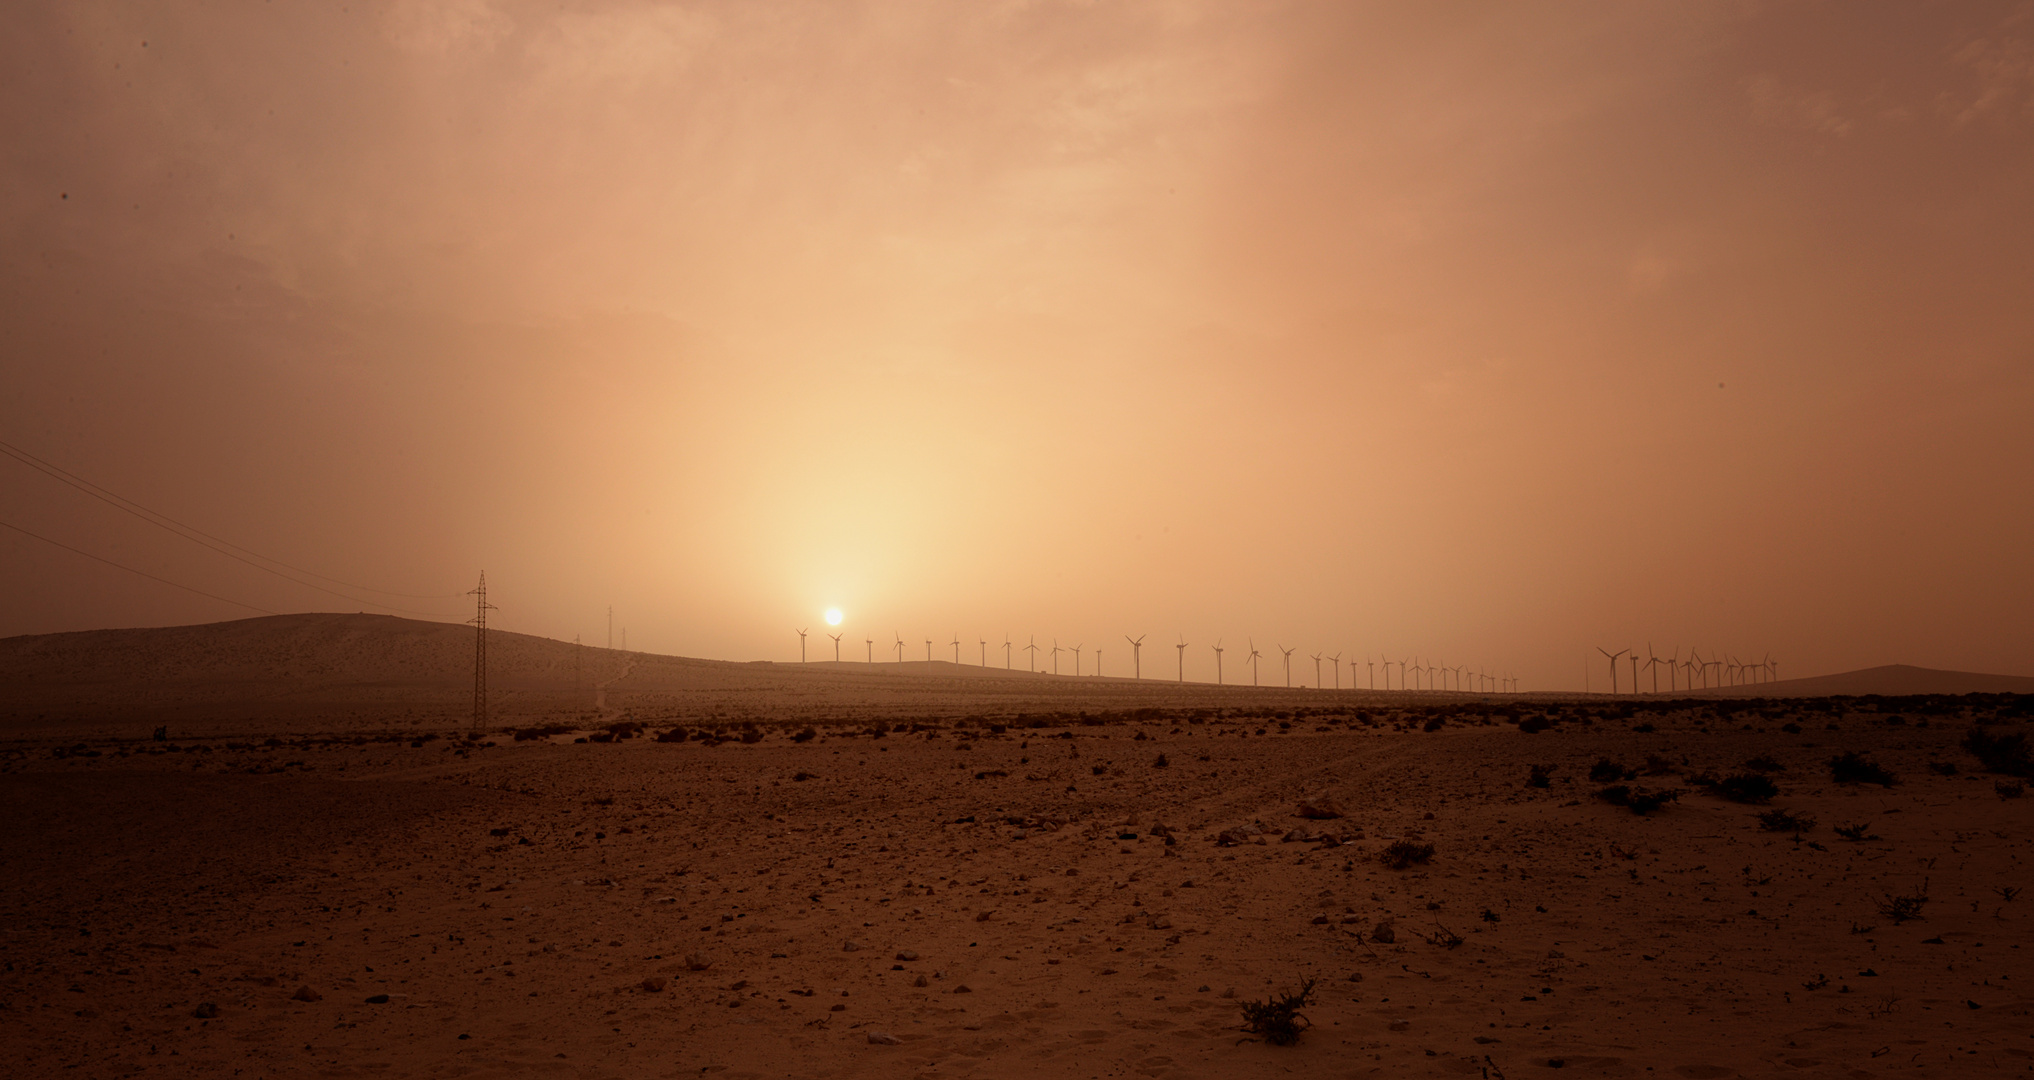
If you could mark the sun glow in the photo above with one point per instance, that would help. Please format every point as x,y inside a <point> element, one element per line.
<point>833,616</point>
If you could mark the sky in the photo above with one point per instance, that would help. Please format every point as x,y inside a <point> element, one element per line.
<point>1487,334</point>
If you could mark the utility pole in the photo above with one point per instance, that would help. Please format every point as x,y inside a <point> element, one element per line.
<point>479,621</point>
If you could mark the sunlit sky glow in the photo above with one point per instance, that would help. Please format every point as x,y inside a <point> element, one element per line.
<point>1486,333</point>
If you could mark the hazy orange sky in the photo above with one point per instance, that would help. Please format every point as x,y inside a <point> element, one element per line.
<point>1482,332</point>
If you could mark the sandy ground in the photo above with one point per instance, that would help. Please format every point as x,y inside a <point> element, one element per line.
<point>960,902</point>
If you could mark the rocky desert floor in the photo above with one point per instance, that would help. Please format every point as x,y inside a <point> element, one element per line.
<point>1032,896</point>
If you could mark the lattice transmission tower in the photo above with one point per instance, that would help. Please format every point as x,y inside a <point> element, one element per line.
<point>479,622</point>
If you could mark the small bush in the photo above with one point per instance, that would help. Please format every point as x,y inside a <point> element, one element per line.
<point>1533,725</point>
<point>1851,767</point>
<point>1401,854</point>
<point>1639,801</point>
<point>1785,821</point>
<point>1764,763</point>
<point>1606,770</point>
<point>1657,765</point>
<point>2000,753</point>
<point>1434,723</point>
<point>1539,776</point>
<point>2009,789</point>
<point>805,735</point>
<point>1747,788</point>
<point>1859,831</point>
<point>1942,768</point>
<point>1279,1019</point>
<point>1646,728</point>
<point>1902,908</point>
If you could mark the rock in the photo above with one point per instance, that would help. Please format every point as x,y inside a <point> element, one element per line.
<point>1401,1025</point>
<point>1321,920</point>
<point>655,984</point>
<point>884,1038</point>
<point>696,962</point>
<point>851,945</point>
<point>983,916</point>
<point>378,999</point>
<point>206,1011</point>
<point>1320,809</point>
<point>305,993</point>
<point>963,989</point>
<point>1297,836</point>
<point>921,981</point>
<point>906,954</point>
<point>1159,922</point>
<point>1383,934</point>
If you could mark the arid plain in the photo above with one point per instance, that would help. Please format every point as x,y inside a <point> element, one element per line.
<point>771,870</point>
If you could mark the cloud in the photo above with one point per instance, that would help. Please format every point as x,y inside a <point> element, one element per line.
<point>1775,104</point>
<point>447,26</point>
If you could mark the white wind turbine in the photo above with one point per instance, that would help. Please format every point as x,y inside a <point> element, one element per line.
<point>1136,654</point>
<point>1337,661</point>
<point>1288,664</point>
<point>1076,650</point>
<point>836,645</point>
<point>1317,671</point>
<point>801,646</point>
<point>1218,661</point>
<point>1254,654</point>
<point>1182,646</point>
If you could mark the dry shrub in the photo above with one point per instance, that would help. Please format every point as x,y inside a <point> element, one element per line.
<point>1279,1019</point>
<point>1400,854</point>
<point>1785,821</point>
<point>2000,753</point>
<point>1851,767</point>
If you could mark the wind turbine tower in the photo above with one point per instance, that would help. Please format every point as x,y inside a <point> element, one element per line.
<point>1288,664</point>
<point>1182,646</point>
<point>801,646</point>
<point>1613,666</point>
<point>836,645</point>
<point>1218,661</point>
<point>1136,654</point>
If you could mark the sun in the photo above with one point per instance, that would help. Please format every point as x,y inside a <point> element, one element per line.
<point>833,616</point>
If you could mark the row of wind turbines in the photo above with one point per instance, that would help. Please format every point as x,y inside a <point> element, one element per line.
<point>1721,669</point>
<point>1415,674</point>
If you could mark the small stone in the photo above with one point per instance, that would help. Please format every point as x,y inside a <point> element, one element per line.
<point>884,1038</point>
<point>305,993</point>
<point>378,999</point>
<point>963,989</point>
<point>655,984</point>
<point>1319,809</point>
<point>696,962</point>
<point>921,981</point>
<point>983,916</point>
<point>850,945</point>
<point>906,954</point>
<point>838,1008</point>
<point>1383,934</point>
<point>1401,1025</point>
<point>206,1011</point>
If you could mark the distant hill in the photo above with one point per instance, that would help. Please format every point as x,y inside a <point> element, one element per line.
<point>1890,680</point>
<point>343,671</point>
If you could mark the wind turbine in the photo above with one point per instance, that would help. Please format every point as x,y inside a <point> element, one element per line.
<point>801,646</point>
<point>1653,665</point>
<point>1254,654</point>
<point>836,645</point>
<point>1031,664</point>
<point>1136,653</point>
<point>1288,665</point>
<point>1372,665</point>
<point>1098,661</point>
<point>872,649</point>
<point>1337,661</point>
<point>1182,657</point>
<point>900,645</point>
<point>1218,661</point>
<point>985,652</point>
<point>1006,650</point>
<point>1634,669</point>
<point>956,648</point>
<point>1056,650</point>
<point>1613,666</point>
<point>1317,670</point>
<point>928,650</point>
<point>1077,660</point>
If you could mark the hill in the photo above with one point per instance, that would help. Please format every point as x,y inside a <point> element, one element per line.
<point>1889,680</point>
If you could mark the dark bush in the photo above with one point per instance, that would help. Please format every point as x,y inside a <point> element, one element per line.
<point>1538,775</point>
<point>805,735</point>
<point>1747,788</point>
<point>1785,821</point>
<point>1639,801</point>
<point>1608,770</point>
<point>2000,753</point>
<point>1400,854</point>
<point>1533,725</point>
<point>1764,763</point>
<point>676,734</point>
<point>1279,1019</point>
<point>1851,767</point>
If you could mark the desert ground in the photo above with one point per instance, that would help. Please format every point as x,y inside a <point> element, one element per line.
<point>973,886</point>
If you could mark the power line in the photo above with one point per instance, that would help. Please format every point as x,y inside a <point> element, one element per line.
<point>132,570</point>
<point>207,540</point>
